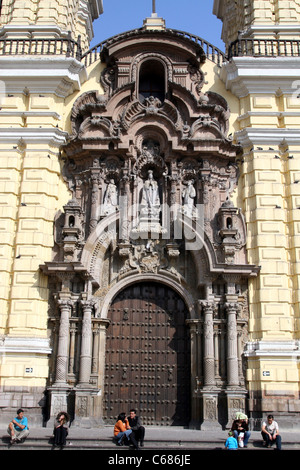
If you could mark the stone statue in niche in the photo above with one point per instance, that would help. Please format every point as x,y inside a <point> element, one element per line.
<point>110,200</point>
<point>150,204</point>
<point>188,197</point>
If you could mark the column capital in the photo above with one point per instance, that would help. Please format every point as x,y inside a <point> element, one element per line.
<point>65,303</point>
<point>87,304</point>
<point>208,306</point>
<point>232,307</point>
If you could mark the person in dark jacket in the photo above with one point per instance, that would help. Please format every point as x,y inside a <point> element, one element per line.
<point>240,425</point>
<point>136,426</point>
<point>61,429</point>
<point>123,431</point>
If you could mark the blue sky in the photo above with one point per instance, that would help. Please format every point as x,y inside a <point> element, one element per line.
<point>191,16</point>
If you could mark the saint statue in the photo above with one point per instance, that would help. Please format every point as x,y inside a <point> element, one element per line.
<point>188,196</point>
<point>150,195</point>
<point>110,201</point>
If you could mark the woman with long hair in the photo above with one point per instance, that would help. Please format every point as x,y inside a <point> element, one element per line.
<point>122,431</point>
<point>61,429</point>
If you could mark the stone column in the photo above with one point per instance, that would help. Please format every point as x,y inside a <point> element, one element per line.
<point>209,392</point>
<point>84,391</point>
<point>217,355</point>
<point>59,392</point>
<point>125,212</point>
<point>94,200</point>
<point>65,306</point>
<point>236,395</point>
<point>86,343</point>
<point>195,412</point>
<point>72,348</point>
<point>232,352</point>
<point>208,331</point>
<point>95,352</point>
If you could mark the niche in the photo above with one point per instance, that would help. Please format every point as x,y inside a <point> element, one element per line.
<point>152,80</point>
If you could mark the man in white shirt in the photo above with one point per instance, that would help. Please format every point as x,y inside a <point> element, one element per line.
<point>270,432</point>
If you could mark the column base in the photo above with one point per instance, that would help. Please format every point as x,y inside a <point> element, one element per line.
<point>210,409</point>
<point>59,395</point>
<point>236,402</point>
<point>88,407</point>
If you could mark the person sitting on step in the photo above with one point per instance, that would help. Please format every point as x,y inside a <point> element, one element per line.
<point>123,432</point>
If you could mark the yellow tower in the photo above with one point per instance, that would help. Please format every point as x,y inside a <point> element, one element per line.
<point>262,41</point>
<point>56,19</point>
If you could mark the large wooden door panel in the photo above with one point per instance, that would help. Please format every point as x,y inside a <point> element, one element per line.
<point>147,356</point>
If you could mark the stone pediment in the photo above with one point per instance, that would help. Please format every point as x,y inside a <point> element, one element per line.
<point>178,108</point>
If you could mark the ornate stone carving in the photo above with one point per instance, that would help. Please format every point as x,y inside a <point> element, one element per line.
<point>110,201</point>
<point>150,204</point>
<point>188,197</point>
<point>163,157</point>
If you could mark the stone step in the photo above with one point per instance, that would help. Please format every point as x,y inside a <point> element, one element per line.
<point>104,444</point>
<point>156,439</point>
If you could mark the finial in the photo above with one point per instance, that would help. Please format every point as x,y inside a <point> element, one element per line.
<point>154,23</point>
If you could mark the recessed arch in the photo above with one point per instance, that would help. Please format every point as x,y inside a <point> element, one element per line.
<point>152,80</point>
<point>147,277</point>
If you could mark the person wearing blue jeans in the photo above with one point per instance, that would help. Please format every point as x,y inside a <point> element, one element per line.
<point>122,430</point>
<point>241,426</point>
<point>122,435</point>
<point>270,432</point>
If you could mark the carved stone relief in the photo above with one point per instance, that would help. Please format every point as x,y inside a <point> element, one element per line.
<point>147,177</point>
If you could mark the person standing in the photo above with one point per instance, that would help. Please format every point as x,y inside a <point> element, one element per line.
<point>18,427</point>
<point>136,426</point>
<point>270,432</point>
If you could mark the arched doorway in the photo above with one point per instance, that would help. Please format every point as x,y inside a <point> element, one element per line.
<point>148,356</point>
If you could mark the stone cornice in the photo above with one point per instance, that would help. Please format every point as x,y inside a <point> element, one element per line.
<point>23,345</point>
<point>26,114</point>
<point>272,349</point>
<point>246,75</point>
<point>218,8</point>
<point>52,136</point>
<point>32,30</point>
<point>257,30</point>
<point>58,75</point>
<point>96,7</point>
<point>267,136</point>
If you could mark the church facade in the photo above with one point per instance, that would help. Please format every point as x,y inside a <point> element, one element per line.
<point>149,218</point>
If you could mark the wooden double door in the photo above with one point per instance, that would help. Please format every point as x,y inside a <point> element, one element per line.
<point>148,356</point>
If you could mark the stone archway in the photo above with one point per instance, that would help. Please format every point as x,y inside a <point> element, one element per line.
<point>148,355</point>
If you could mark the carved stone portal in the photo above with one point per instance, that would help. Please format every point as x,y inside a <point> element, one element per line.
<point>151,170</point>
